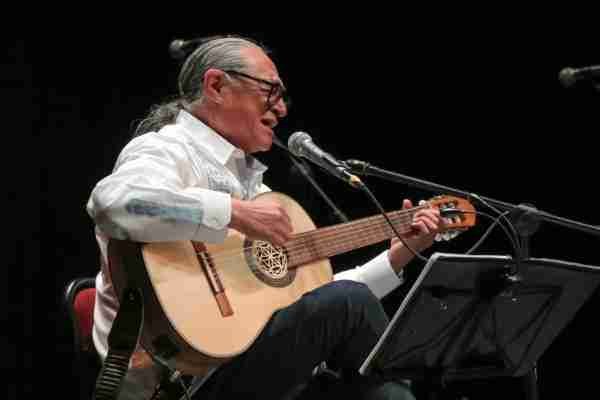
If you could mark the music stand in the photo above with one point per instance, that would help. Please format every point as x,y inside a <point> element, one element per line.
<point>473,316</point>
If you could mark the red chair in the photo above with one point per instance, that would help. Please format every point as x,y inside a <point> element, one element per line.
<point>79,299</point>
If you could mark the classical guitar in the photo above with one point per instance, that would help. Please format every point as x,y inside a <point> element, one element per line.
<point>204,303</point>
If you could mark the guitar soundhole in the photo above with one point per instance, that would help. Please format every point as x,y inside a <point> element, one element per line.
<point>268,263</point>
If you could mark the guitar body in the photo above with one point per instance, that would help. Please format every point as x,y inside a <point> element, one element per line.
<point>205,303</point>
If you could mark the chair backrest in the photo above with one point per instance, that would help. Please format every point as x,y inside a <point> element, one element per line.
<point>80,297</point>
<point>79,301</point>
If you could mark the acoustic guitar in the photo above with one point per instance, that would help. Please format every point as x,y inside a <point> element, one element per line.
<point>205,303</point>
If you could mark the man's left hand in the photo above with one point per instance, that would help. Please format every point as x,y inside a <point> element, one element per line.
<point>425,225</point>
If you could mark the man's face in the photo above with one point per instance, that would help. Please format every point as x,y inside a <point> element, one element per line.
<point>252,108</point>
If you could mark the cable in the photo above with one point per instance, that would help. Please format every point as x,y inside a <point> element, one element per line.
<point>185,389</point>
<point>374,200</point>
<point>165,386</point>
<point>502,215</point>
<point>489,230</point>
<point>513,239</point>
<point>517,238</point>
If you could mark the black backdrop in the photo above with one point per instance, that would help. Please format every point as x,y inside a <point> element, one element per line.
<point>475,105</point>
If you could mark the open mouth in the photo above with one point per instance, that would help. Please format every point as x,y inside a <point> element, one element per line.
<point>269,123</point>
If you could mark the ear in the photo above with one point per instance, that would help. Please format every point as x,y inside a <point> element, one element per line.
<point>212,85</point>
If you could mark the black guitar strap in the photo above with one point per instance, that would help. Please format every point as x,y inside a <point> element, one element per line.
<point>122,341</point>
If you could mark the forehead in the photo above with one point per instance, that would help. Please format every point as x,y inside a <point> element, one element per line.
<point>261,64</point>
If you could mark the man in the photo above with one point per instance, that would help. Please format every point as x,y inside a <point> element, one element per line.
<point>189,175</point>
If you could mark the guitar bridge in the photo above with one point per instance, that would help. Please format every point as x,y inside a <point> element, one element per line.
<point>213,279</point>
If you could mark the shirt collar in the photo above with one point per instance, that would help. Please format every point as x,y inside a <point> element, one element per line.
<point>203,135</point>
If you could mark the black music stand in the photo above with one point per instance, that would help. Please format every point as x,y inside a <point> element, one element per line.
<point>470,316</point>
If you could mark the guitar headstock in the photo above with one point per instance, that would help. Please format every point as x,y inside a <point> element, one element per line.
<point>458,215</point>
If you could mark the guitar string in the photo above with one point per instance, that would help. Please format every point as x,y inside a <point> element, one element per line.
<point>298,244</point>
<point>338,238</point>
<point>229,263</point>
<point>369,226</point>
<point>300,239</point>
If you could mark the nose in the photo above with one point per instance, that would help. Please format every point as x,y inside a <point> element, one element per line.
<point>279,108</point>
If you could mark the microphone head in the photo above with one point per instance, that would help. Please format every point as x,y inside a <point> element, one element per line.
<point>295,143</point>
<point>177,49</point>
<point>567,77</point>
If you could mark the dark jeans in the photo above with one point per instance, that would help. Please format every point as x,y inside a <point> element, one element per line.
<point>339,322</point>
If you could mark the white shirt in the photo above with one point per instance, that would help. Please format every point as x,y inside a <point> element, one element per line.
<point>177,184</point>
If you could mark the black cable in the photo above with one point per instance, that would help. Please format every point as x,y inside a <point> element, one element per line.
<point>516,247</point>
<point>514,238</point>
<point>503,216</point>
<point>489,230</point>
<point>374,200</point>
<point>185,388</point>
<point>165,386</point>
<point>362,168</point>
<point>519,254</point>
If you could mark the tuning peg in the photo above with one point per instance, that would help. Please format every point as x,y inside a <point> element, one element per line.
<point>447,235</point>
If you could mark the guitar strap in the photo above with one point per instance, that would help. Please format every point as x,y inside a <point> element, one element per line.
<point>122,341</point>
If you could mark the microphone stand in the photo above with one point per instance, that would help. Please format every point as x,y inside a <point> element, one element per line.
<point>527,220</point>
<point>527,216</point>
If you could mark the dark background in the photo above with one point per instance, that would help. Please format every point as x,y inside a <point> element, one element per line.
<point>472,103</point>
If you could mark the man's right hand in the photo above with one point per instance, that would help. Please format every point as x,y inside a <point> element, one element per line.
<point>261,220</point>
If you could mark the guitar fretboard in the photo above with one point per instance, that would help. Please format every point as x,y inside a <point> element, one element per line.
<point>326,242</point>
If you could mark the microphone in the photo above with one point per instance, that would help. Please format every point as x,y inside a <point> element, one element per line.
<point>301,145</point>
<point>179,48</point>
<point>569,76</point>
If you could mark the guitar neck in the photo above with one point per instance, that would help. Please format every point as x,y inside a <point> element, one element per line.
<point>326,242</point>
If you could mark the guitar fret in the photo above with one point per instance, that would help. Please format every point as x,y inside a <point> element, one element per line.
<point>337,239</point>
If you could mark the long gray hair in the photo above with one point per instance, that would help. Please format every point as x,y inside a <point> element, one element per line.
<point>220,52</point>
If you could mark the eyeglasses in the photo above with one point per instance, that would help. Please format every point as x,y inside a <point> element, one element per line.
<point>277,91</point>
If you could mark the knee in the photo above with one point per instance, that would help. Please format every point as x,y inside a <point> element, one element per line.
<point>351,295</point>
<point>350,304</point>
<point>390,390</point>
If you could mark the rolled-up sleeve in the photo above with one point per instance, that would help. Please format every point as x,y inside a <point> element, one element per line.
<point>145,198</point>
<point>377,274</point>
